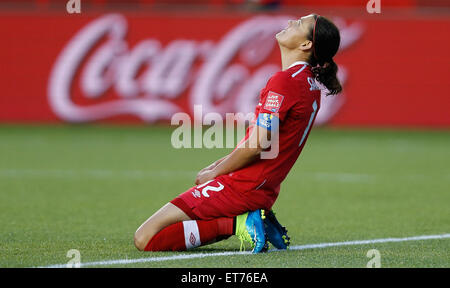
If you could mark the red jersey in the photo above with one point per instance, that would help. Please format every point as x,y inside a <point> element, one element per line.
<point>295,97</point>
<point>292,95</point>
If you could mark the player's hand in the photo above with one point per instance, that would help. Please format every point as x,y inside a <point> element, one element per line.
<point>204,176</point>
<point>204,170</point>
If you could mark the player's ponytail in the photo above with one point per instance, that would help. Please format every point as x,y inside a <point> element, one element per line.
<point>326,40</point>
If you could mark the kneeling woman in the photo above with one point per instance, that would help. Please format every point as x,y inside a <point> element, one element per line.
<point>234,195</point>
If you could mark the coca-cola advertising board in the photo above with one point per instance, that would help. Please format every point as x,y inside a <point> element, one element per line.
<point>144,67</point>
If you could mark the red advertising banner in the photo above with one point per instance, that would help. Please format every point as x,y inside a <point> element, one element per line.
<point>143,68</point>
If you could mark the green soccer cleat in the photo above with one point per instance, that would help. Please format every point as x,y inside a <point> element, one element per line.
<point>250,229</point>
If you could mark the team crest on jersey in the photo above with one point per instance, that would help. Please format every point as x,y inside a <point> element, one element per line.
<point>312,84</point>
<point>196,194</point>
<point>273,101</point>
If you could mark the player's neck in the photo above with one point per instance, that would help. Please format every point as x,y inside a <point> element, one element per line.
<point>290,57</point>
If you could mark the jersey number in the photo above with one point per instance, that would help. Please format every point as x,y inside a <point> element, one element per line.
<point>207,188</point>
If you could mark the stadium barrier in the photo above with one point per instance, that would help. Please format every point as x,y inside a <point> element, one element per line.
<point>135,67</point>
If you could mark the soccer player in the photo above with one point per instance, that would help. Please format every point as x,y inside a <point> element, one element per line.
<point>234,195</point>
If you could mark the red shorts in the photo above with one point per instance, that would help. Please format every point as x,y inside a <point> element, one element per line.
<point>219,198</point>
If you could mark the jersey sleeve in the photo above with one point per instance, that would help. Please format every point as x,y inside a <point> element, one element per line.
<point>279,97</point>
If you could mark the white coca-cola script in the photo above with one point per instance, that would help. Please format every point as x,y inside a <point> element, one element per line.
<point>100,55</point>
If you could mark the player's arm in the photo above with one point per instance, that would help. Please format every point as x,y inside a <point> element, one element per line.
<point>247,152</point>
<point>214,164</point>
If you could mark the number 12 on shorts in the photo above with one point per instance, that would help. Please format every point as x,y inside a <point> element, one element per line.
<point>205,188</point>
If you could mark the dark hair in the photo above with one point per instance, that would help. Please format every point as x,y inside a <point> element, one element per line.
<point>326,40</point>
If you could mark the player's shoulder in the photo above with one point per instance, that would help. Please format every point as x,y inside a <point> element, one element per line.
<point>303,79</point>
<point>281,78</point>
<point>300,72</point>
<point>295,84</point>
<point>293,77</point>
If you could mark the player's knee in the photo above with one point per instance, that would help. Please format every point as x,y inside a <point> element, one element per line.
<point>140,241</point>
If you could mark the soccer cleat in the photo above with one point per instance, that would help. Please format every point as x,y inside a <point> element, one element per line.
<point>276,234</point>
<point>250,229</point>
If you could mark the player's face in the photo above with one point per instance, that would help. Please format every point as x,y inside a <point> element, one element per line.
<point>296,32</point>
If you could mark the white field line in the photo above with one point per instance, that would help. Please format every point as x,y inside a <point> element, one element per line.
<point>221,254</point>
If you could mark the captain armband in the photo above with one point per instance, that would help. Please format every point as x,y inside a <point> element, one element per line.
<point>268,121</point>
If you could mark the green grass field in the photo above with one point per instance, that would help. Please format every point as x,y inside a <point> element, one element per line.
<point>90,187</point>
